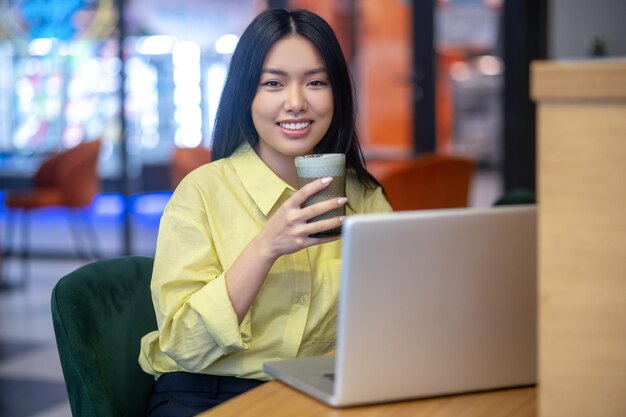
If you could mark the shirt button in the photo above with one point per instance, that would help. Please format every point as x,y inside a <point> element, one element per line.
<point>302,300</point>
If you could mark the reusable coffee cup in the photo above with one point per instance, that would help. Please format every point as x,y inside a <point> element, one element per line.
<point>312,167</point>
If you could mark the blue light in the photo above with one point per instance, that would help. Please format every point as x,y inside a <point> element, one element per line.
<point>143,205</point>
<point>50,19</point>
<point>149,205</point>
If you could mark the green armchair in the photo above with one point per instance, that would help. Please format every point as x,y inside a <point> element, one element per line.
<point>100,312</point>
<point>516,196</point>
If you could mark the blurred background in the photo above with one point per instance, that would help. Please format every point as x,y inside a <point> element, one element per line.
<point>144,77</point>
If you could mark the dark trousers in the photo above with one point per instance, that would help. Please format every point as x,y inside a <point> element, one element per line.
<point>183,394</point>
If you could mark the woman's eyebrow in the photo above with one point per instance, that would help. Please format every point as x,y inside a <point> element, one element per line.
<point>275,71</point>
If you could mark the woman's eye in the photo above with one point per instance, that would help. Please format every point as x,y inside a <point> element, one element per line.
<point>271,84</point>
<point>318,83</point>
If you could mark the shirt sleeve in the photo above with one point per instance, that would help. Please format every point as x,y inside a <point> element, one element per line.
<point>196,320</point>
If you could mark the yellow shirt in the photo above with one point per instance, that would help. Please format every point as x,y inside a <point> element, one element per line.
<point>213,214</point>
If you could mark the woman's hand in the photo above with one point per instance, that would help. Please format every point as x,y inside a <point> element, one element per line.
<point>288,231</point>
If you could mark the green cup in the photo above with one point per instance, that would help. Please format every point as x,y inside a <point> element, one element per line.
<point>312,167</point>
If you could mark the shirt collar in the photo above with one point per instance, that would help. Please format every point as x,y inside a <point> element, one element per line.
<point>263,185</point>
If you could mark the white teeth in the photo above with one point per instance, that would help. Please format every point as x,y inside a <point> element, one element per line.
<point>295,126</point>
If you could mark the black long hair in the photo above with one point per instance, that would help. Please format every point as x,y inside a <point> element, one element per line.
<point>233,123</point>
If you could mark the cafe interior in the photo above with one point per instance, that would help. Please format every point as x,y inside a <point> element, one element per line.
<point>105,105</point>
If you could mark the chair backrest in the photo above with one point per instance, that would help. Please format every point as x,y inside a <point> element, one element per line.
<point>73,172</point>
<point>100,312</point>
<point>427,182</point>
<point>185,160</point>
<point>516,196</point>
<point>46,175</point>
<point>78,174</point>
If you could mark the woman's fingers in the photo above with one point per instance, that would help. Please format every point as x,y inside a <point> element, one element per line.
<point>310,189</point>
<point>289,229</point>
<point>322,207</point>
<point>323,225</point>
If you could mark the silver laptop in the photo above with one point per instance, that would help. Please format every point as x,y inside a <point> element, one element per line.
<point>432,303</point>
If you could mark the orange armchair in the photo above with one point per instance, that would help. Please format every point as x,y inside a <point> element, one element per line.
<point>68,179</point>
<point>185,160</point>
<point>427,181</point>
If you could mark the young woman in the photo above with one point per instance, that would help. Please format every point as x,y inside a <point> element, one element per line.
<point>237,280</point>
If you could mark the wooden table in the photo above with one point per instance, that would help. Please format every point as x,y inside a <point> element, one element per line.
<point>274,399</point>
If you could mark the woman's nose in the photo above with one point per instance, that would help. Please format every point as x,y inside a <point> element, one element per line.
<point>295,101</point>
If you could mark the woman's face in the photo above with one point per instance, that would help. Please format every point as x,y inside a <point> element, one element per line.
<point>293,105</point>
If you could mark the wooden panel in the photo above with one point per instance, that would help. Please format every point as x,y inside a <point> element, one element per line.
<point>582,80</point>
<point>582,242</point>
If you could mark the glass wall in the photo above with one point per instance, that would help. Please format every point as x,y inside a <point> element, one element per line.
<point>61,80</point>
<point>468,47</point>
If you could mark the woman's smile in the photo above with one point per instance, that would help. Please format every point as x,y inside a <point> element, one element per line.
<point>295,129</point>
